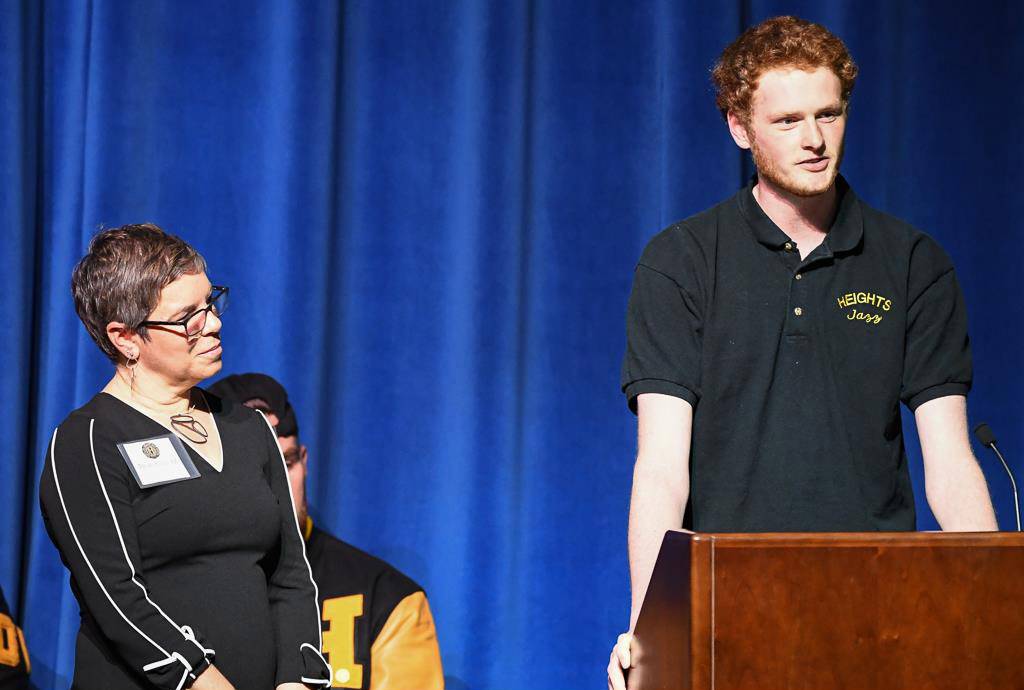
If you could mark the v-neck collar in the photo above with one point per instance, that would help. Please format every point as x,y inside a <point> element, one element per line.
<point>184,440</point>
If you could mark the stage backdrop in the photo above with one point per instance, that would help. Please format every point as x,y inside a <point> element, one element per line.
<point>429,214</point>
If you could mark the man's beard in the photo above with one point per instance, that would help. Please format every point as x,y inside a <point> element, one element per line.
<point>768,170</point>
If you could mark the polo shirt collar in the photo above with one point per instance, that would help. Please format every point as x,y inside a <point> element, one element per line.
<point>844,235</point>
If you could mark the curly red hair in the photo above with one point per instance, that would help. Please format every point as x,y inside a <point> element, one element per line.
<point>777,42</point>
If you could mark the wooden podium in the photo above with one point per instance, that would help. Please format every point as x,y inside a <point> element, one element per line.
<point>855,611</point>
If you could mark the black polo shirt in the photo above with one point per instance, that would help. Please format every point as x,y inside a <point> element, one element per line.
<point>795,369</point>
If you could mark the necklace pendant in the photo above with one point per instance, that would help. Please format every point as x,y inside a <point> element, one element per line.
<point>189,427</point>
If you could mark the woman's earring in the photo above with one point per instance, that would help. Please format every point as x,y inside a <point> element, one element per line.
<point>133,361</point>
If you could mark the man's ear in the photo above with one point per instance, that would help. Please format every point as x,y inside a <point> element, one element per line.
<point>124,339</point>
<point>303,454</point>
<point>738,130</point>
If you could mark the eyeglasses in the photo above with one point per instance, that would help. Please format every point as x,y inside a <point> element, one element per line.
<point>195,322</point>
<point>291,457</point>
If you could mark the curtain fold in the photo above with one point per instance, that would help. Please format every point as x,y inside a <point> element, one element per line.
<point>20,107</point>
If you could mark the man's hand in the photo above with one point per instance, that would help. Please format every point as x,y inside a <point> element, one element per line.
<point>620,660</point>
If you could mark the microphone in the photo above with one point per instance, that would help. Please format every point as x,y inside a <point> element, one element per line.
<point>984,434</point>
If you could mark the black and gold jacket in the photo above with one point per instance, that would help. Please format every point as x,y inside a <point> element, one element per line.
<point>14,663</point>
<point>378,632</point>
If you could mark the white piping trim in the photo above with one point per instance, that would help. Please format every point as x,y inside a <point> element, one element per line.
<point>302,542</point>
<point>181,683</point>
<point>330,671</point>
<point>74,535</point>
<point>159,664</point>
<point>124,549</point>
<point>183,660</point>
<point>175,656</point>
<point>188,632</point>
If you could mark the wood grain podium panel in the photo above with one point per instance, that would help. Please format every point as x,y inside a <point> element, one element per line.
<point>885,611</point>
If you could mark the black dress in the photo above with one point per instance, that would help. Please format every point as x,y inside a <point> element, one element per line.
<point>173,577</point>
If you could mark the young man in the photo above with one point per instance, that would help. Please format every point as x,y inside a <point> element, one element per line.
<point>379,633</point>
<point>772,337</point>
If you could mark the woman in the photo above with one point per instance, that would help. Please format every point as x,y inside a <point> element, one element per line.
<point>171,508</point>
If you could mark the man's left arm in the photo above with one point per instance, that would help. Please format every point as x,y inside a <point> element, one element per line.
<point>955,486</point>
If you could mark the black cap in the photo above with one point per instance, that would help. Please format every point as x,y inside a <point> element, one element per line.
<point>245,387</point>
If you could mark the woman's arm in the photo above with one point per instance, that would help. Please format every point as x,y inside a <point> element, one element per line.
<point>86,502</point>
<point>292,591</point>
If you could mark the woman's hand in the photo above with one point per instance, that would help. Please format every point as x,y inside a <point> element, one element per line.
<point>212,679</point>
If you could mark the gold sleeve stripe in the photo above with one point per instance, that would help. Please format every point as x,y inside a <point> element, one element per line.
<point>405,655</point>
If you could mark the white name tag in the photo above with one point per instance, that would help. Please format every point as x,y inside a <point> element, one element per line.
<point>158,460</point>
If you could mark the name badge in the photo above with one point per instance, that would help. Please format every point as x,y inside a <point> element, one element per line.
<point>158,460</point>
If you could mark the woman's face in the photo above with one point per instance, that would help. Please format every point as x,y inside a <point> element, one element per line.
<point>170,354</point>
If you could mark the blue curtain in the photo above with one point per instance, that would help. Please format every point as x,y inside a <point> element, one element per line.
<point>429,213</point>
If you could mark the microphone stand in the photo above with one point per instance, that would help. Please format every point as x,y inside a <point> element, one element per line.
<point>985,436</point>
<point>1013,483</point>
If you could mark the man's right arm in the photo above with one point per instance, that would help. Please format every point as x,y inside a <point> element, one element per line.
<point>661,484</point>
<point>661,380</point>
<point>661,487</point>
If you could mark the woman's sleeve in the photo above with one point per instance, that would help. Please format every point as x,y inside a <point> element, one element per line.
<point>292,591</point>
<point>86,502</point>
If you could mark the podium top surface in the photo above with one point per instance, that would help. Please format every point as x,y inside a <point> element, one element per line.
<point>852,539</point>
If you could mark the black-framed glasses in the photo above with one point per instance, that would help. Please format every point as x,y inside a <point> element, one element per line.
<point>292,456</point>
<point>195,322</point>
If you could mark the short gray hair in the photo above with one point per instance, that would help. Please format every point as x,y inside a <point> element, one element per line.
<point>122,275</point>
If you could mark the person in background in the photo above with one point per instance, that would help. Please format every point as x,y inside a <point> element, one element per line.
<point>14,663</point>
<point>378,629</point>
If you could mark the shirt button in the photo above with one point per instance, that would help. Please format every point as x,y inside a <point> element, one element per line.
<point>789,246</point>
<point>799,276</point>
<point>798,311</point>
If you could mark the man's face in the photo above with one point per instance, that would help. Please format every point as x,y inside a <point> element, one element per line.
<point>796,129</point>
<point>295,458</point>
